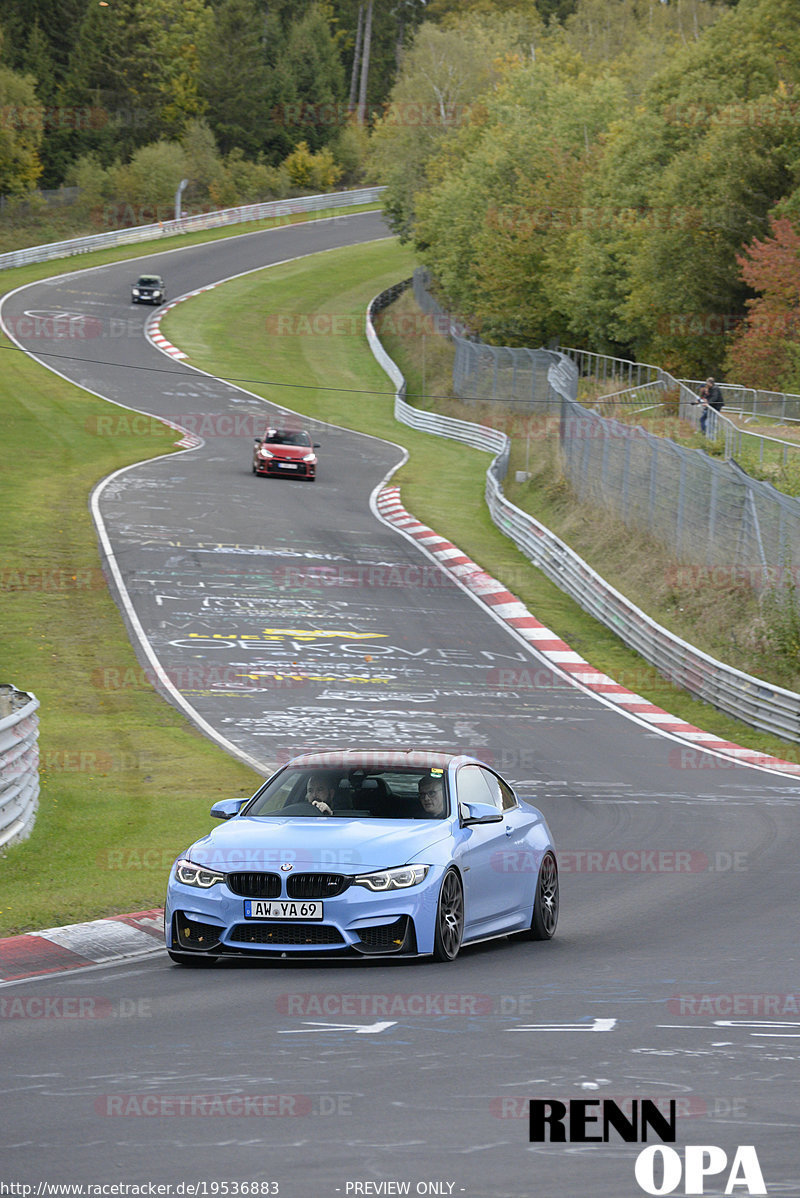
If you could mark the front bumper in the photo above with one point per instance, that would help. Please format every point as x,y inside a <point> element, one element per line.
<point>285,469</point>
<point>358,922</point>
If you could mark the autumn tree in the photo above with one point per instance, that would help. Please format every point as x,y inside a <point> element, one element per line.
<point>764,352</point>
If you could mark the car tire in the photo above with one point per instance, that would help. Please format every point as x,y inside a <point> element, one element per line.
<point>545,902</point>
<point>193,960</point>
<point>449,918</point>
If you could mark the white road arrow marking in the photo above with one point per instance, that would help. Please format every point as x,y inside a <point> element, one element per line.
<point>361,1029</point>
<point>758,1024</point>
<point>597,1025</point>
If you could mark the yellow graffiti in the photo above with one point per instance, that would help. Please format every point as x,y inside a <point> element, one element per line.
<point>298,634</point>
<point>354,678</point>
<point>306,634</point>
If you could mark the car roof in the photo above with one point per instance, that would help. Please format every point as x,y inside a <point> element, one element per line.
<point>379,759</point>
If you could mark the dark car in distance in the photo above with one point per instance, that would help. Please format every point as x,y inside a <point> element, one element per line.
<point>285,451</point>
<point>148,289</point>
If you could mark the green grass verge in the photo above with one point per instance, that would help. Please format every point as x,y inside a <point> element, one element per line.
<point>224,333</point>
<point>126,782</point>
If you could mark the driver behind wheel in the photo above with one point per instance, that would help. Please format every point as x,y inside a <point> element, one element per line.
<point>320,790</point>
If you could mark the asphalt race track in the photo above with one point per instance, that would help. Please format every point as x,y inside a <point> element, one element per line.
<point>674,971</point>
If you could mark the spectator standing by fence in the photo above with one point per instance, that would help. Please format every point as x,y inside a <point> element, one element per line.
<point>710,397</point>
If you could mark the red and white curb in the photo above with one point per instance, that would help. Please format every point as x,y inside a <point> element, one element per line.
<point>552,649</point>
<point>56,950</point>
<point>157,338</point>
<point>153,329</point>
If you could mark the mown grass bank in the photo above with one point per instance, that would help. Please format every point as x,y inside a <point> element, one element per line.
<point>126,782</point>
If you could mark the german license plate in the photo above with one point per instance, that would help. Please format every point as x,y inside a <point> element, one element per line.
<point>288,465</point>
<point>281,909</point>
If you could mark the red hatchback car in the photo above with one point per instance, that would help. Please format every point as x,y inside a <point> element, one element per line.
<point>285,451</point>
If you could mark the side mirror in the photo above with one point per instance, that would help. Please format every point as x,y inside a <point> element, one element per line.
<point>227,808</point>
<point>316,445</point>
<point>479,813</point>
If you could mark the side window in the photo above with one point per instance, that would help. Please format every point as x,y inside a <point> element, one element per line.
<point>502,794</point>
<point>509,797</point>
<point>472,785</point>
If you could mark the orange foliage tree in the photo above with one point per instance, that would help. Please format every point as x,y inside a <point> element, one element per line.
<point>766,349</point>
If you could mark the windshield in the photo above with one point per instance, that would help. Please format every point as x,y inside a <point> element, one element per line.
<point>283,436</point>
<point>149,281</point>
<point>395,794</point>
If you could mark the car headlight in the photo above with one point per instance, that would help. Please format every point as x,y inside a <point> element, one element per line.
<point>310,457</point>
<point>134,291</point>
<point>393,879</point>
<point>265,453</point>
<point>197,875</point>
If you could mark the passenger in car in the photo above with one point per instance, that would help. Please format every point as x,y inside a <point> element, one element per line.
<point>431,796</point>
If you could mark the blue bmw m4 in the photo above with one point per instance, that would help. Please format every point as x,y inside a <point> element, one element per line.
<point>365,853</point>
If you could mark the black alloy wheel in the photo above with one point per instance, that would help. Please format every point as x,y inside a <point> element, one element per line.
<point>545,903</point>
<point>449,918</point>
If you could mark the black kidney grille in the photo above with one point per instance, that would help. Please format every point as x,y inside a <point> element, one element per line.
<point>285,933</point>
<point>255,885</point>
<point>316,886</point>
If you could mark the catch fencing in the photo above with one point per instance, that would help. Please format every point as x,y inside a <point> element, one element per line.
<point>706,511</point>
<point>271,209</point>
<point>769,708</point>
<point>19,764</point>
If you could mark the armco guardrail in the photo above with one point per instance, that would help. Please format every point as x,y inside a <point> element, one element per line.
<point>190,224</point>
<point>740,695</point>
<point>478,436</point>
<point>19,764</point>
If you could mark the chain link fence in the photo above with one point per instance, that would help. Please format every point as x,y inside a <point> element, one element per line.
<point>705,511</point>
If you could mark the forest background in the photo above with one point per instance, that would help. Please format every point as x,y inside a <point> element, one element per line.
<point>622,175</point>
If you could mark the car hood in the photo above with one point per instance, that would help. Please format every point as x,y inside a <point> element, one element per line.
<point>294,452</point>
<point>339,845</point>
